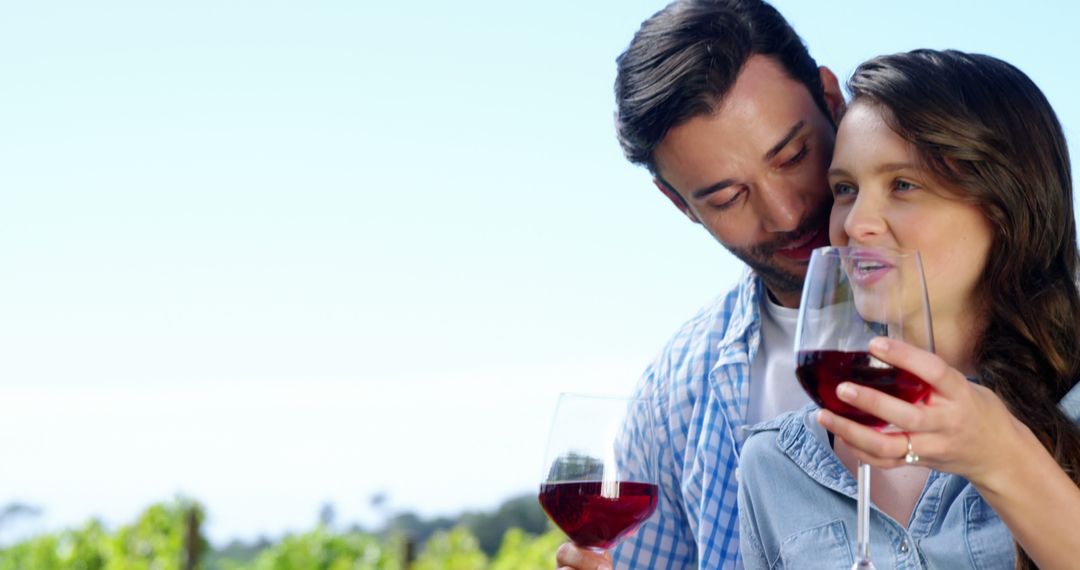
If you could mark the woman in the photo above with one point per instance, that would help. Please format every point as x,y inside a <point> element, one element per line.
<point>961,157</point>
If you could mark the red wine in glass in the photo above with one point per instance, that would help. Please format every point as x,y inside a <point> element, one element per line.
<point>596,514</point>
<point>600,479</point>
<point>821,371</point>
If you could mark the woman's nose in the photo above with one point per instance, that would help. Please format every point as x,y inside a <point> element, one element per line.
<point>864,219</point>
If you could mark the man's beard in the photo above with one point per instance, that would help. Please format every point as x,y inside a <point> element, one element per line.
<point>761,257</point>
<point>777,280</point>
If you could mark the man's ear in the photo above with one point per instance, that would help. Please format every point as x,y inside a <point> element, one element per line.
<point>676,199</point>
<point>834,98</point>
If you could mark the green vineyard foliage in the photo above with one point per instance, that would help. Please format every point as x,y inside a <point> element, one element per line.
<point>165,535</point>
<point>156,541</point>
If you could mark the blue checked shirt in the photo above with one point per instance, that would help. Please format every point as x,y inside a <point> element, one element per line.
<point>698,387</point>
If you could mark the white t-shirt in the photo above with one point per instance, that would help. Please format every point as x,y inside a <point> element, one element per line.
<point>774,389</point>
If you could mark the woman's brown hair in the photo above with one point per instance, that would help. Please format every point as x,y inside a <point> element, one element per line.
<point>982,127</point>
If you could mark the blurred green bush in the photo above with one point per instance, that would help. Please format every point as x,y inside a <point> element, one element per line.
<point>167,536</point>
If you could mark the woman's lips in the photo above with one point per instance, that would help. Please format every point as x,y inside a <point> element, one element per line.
<point>867,269</point>
<point>801,249</point>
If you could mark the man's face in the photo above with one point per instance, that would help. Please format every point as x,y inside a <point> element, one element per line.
<point>754,172</point>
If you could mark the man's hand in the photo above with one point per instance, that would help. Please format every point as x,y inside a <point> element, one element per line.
<point>570,557</point>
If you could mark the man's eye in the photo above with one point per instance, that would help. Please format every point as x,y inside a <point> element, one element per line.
<point>797,157</point>
<point>727,200</point>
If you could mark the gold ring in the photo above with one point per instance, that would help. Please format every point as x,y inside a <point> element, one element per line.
<point>911,458</point>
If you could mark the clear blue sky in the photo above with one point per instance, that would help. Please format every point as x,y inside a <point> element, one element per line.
<point>271,254</point>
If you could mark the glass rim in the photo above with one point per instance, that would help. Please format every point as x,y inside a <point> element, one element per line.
<point>855,250</point>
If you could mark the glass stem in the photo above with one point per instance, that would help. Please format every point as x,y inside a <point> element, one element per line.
<point>862,554</point>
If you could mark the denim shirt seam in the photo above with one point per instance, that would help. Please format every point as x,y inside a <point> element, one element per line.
<point>927,508</point>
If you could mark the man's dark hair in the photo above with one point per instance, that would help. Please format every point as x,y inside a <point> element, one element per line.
<point>685,58</point>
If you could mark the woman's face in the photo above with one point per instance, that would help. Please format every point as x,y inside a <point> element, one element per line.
<point>883,198</point>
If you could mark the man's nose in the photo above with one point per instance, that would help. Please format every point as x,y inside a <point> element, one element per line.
<point>780,207</point>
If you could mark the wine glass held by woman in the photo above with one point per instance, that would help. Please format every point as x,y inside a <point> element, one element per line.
<point>966,429</point>
<point>851,295</point>
<point>961,157</point>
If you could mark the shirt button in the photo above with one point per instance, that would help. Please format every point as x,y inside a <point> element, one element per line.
<point>904,546</point>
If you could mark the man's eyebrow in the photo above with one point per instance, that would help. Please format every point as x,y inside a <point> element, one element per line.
<point>775,150</point>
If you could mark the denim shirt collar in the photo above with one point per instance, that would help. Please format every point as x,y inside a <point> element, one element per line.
<point>807,444</point>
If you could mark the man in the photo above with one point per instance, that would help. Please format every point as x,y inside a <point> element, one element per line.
<point>720,100</point>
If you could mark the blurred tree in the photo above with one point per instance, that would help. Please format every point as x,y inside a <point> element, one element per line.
<point>16,510</point>
<point>522,512</point>
<point>380,502</point>
<point>236,553</point>
<point>12,513</point>
<point>327,514</point>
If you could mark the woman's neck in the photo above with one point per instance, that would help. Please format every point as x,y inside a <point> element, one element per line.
<point>955,338</point>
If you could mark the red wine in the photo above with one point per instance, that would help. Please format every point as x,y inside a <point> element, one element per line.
<point>595,521</point>
<point>820,371</point>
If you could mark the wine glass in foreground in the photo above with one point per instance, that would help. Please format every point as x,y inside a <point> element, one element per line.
<point>851,295</point>
<point>599,481</point>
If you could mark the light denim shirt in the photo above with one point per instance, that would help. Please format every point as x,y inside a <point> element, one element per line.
<point>797,508</point>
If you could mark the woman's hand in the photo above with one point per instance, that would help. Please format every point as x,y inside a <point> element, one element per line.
<point>960,428</point>
<point>964,428</point>
<point>570,557</point>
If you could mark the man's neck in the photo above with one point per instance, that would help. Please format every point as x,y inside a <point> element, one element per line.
<point>789,300</point>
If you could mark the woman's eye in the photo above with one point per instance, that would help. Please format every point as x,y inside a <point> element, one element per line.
<point>842,189</point>
<point>904,186</point>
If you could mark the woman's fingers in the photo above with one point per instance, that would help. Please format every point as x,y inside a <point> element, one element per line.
<point>926,365</point>
<point>958,428</point>
<point>871,446</point>
<point>881,405</point>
